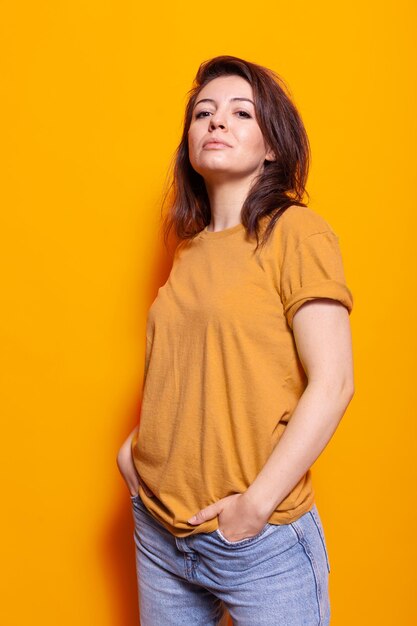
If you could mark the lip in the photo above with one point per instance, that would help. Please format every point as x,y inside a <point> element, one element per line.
<point>216,143</point>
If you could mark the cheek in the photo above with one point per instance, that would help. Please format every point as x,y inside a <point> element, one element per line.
<point>253,139</point>
<point>192,142</point>
<point>259,143</point>
<point>190,148</point>
<point>192,155</point>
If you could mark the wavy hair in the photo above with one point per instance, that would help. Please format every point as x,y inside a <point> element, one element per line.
<point>280,184</point>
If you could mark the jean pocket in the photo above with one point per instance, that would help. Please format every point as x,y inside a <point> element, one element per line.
<point>316,518</point>
<point>137,501</point>
<point>241,542</point>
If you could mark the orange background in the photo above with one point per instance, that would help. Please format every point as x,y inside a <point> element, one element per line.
<point>92,103</point>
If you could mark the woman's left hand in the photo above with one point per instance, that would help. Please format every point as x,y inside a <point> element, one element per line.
<point>238,518</point>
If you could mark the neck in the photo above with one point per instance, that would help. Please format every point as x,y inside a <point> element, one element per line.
<point>226,201</point>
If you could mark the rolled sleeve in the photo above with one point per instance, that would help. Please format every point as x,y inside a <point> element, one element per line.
<point>313,270</point>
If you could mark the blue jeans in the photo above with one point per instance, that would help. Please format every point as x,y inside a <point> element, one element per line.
<point>279,577</point>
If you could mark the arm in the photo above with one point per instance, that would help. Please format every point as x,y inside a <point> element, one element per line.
<point>127,467</point>
<point>125,464</point>
<point>323,339</point>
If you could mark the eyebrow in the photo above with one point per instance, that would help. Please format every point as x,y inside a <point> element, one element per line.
<point>231,100</point>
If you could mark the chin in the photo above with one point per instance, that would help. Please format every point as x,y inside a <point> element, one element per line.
<point>213,168</point>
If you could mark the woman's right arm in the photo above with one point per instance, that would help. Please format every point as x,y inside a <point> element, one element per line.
<point>126,466</point>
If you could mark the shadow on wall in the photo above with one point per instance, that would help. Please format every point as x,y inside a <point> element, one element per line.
<point>118,555</point>
<point>116,546</point>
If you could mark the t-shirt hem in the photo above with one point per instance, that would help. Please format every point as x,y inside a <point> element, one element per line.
<point>278,518</point>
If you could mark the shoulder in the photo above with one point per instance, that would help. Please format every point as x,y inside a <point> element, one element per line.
<point>297,230</point>
<point>299,222</point>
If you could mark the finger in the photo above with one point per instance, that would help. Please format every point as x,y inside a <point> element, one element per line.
<point>204,514</point>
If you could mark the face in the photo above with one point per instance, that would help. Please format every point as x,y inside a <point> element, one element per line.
<point>224,139</point>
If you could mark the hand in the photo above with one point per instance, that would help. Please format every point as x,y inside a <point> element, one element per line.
<point>128,470</point>
<point>238,517</point>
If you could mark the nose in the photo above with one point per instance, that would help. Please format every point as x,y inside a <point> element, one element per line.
<point>217,122</point>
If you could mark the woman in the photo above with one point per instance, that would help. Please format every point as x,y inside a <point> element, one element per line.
<point>248,370</point>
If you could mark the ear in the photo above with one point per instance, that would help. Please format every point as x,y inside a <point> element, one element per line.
<point>270,155</point>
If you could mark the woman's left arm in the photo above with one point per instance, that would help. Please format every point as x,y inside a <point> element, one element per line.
<point>322,335</point>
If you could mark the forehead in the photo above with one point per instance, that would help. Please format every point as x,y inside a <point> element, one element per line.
<point>226,86</point>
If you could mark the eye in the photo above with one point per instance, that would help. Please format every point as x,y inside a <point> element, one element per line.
<point>241,113</point>
<point>202,114</point>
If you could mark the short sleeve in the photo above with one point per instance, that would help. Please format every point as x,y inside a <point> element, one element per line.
<point>313,269</point>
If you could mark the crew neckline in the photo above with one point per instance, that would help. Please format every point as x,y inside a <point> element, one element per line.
<point>216,234</point>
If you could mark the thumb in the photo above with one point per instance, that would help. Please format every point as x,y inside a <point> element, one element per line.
<point>204,514</point>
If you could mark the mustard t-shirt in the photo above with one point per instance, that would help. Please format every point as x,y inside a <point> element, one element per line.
<point>222,374</point>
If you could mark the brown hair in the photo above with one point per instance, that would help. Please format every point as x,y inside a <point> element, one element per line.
<point>282,182</point>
